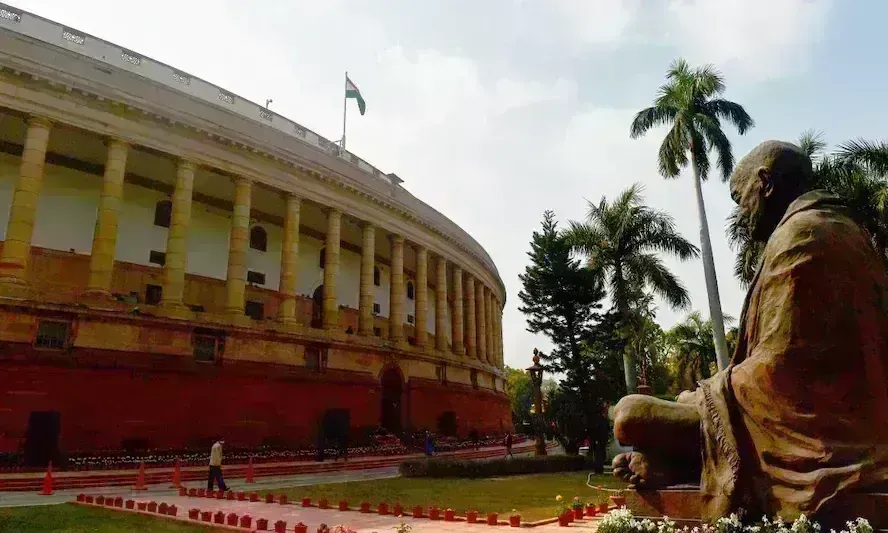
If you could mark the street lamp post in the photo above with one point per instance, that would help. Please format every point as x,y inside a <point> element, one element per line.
<point>536,379</point>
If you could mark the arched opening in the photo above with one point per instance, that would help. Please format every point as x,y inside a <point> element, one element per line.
<point>392,399</point>
<point>411,292</point>
<point>317,307</point>
<point>376,276</point>
<point>163,213</point>
<point>258,238</point>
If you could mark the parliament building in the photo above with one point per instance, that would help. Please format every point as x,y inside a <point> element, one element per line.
<point>177,263</point>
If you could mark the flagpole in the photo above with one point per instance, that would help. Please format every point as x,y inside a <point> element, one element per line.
<point>344,112</point>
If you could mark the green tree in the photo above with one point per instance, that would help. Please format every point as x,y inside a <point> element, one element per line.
<point>690,103</point>
<point>520,392</point>
<point>856,172</point>
<point>692,349</point>
<point>623,240</point>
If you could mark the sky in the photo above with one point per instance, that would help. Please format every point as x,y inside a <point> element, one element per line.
<point>494,111</point>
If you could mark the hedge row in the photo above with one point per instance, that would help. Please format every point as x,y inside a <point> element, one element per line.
<point>497,467</point>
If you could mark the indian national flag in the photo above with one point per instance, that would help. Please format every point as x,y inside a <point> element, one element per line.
<point>351,91</point>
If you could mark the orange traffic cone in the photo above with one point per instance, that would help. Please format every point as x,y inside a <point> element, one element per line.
<point>47,481</point>
<point>250,471</point>
<point>177,476</point>
<point>140,480</point>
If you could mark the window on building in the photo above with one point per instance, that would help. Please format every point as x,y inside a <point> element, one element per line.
<point>376,276</point>
<point>376,309</point>
<point>258,238</point>
<point>52,335</point>
<point>410,319</point>
<point>255,310</point>
<point>473,375</point>
<point>153,294</point>
<point>411,291</point>
<point>322,260</point>
<point>206,348</point>
<point>157,258</point>
<point>377,332</point>
<point>163,212</point>
<point>257,278</point>
<point>315,359</point>
<point>441,373</point>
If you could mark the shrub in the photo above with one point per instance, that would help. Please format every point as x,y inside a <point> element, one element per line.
<point>497,467</point>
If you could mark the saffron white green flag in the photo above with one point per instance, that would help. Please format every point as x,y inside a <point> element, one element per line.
<point>351,91</point>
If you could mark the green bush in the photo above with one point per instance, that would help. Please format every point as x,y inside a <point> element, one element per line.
<point>497,467</point>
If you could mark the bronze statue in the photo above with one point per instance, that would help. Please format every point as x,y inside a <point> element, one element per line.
<point>801,413</point>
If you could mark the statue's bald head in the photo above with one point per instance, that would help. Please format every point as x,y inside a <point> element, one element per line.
<point>766,181</point>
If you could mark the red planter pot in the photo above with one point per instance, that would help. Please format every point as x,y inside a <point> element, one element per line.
<point>246,521</point>
<point>492,519</point>
<point>81,497</point>
<point>269,498</point>
<point>398,509</point>
<point>142,506</point>
<point>382,508</point>
<point>323,504</point>
<point>365,507</point>
<point>194,514</point>
<point>172,510</point>
<point>118,502</point>
<point>471,517</point>
<point>515,521</point>
<point>449,515</point>
<point>261,524</point>
<point>231,519</point>
<point>280,527</point>
<point>241,496</point>
<point>578,513</point>
<point>591,510</point>
<point>306,502</point>
<point>130,504</point>
<point>152,507</point>
<point>89,499</point>
<point>162,508</point>
<point>201,493</point>
<point>343,505</point>
<point>192,492</point>
<point>282,499</point>
<point>219,517</point>
<point>602,508</point>
<point>229,495</point>
<point>563,520</point>
<point>570,516</point>
<point>100,500</point>
<point>206,516</point>
<point>434,513</point>
<point>254,497</point>
<point>183,491</point>
<point>300,528</point>
<point>619,501</point>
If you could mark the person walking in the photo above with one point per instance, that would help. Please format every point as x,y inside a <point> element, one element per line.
<point>507,442</point>
<point>216,467</point>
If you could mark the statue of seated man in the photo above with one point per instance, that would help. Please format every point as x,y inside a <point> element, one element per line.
<point>801,413</point>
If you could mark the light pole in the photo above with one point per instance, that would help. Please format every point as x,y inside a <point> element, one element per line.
<point>536,379</point>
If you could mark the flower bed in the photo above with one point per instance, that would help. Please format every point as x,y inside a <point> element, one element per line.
<point>622,521</point>
<point>496,467</point>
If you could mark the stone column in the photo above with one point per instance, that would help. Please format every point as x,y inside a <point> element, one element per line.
<point>471,326</point>
<point>101,259</point>
<point>177,238</point>
<point>457,318</point>
<point>23,211</point>
<point>481,319</point>
<point>238,243</point>
<point>331,270</point>
<point>290,261</point>
<point>441,323</point>
<point>491,327</point>
<point>422,296</point>
<point>368,263</point>
<point>396,295</point>
<point>498,337</point>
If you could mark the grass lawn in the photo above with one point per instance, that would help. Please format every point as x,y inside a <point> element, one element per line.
<point>533,496</point>
<point>76,519</point>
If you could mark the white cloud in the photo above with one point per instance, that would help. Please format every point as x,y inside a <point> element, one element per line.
<point>595,21</point>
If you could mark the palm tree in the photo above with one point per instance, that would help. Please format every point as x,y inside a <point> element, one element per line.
<point>693,348</point>
<point>856,173</point>
<point>690,102</point>
<point>623,239</point>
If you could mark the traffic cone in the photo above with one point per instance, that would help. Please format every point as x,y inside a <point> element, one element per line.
<point>250,471</point>
<point>47,481</point>
<point>177,476</point>
<point>140,480</point>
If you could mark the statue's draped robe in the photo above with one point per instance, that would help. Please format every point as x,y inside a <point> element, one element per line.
<point>801,414</point>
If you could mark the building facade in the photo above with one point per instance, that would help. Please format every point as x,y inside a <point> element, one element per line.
<point>178,263</point>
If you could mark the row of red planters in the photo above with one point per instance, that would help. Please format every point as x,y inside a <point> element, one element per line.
<point>231,519</point>
<point>434,513</point>
<point>578,513</point>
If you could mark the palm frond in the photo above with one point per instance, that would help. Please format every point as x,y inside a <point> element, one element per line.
<point>873,154</point>
<point>730,112</point>
<point>650,270</point>
<point>718,141</point>
<point>811,142</point>
<point>650,118</point>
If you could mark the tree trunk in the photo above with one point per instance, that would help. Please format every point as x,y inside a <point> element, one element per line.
<point>715,309</point>
<point>629,370</point>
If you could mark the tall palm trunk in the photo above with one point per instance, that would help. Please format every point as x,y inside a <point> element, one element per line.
<point>715,309</point>
<point>629,370</point>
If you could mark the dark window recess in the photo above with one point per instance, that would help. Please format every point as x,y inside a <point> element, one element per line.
<point>322,260</point>
<point>411,292</point>
<point>205,348</point>
<point>255,277</point>
<point>441,373</point>
<point>153,294</point>
<point>410,319</point>
<point>474,377</point>
<point>376,276</point>
<point>376,309</point>
<point>52,335</point>
<point>163,212</point>
<point>255,310</point>
<point>315,359</point>
<point>258,238</point>
<point>377,332</point>
<point>197,308</point>
<point>157,258</point>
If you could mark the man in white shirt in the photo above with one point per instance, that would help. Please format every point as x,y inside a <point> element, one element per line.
<point>216,467</point>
